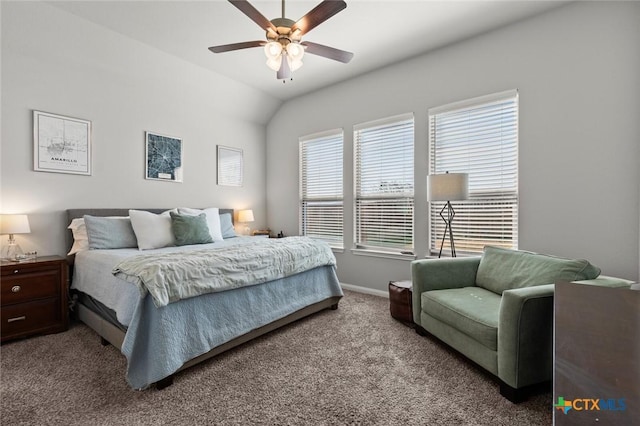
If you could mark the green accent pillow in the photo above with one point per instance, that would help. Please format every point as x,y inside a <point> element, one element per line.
<point>503,269</point>
<point>190,229</point>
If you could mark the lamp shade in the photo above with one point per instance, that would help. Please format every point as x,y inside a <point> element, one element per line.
<point>273,50</point>
<point>295,51</point>
<point>274,63</point>
<point>245,216</point>
<point>448,187</point>
<point>14,224</point>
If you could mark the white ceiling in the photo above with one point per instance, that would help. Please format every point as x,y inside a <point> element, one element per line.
<point>379,33</point>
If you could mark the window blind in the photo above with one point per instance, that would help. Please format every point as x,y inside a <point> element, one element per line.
<point>479,137</point>
<point>321,186</point>
<point>384,184</point>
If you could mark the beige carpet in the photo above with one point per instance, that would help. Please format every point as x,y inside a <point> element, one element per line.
<point>355,365</point>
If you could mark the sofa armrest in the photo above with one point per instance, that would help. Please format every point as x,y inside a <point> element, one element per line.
<point>438,274</point>
<point>525,336</point>
<point>606,281</point>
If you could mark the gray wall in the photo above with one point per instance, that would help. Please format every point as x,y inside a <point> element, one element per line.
<point>56,62</point>
<point>577,70</point>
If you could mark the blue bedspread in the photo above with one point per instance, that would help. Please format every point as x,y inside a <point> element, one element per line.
<point>160,340</point>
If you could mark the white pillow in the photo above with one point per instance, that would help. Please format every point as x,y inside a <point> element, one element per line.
<point>80,237</point>
<point>152,230</point>
<point>213,220</point>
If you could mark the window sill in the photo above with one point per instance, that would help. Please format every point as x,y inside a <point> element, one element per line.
<point>448,256</point>
<point>337,249</point>
<point>383,254</point>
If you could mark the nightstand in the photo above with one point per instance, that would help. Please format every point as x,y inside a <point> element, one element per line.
<point>34,297</point>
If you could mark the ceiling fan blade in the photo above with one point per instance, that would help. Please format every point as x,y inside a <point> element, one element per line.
<point>237,46</point>
<point>253,14</point>
<point>328,52</point>
<point>318,15</point>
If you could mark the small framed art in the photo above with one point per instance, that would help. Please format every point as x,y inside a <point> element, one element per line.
<point>61,144</point>
<point>230,166</point>
<point>163,157</point>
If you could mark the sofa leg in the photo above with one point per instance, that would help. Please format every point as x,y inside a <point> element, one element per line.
<point>421,331</point>
<point>512,394</point>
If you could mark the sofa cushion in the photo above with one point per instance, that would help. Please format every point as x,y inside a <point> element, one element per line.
<point>472,310</point>
<point>502,269</point>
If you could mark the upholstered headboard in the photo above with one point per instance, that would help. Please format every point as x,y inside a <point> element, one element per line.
<point>77,213</point>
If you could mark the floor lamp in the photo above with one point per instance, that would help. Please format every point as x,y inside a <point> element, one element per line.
<point>448,187</point>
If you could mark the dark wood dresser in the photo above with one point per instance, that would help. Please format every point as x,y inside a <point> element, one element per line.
<point>597,355</point>
<point>34,297</point>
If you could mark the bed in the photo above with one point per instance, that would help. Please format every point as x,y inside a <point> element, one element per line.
<point>159,335</point>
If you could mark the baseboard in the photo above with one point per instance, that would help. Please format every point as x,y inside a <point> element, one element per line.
<point>365,290</point>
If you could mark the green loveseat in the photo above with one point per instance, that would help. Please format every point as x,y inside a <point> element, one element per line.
<point>497,309</point>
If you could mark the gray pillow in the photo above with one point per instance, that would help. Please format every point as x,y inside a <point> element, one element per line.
<point>109,232</point>
<point>189,229</point>
<point>226,226</point>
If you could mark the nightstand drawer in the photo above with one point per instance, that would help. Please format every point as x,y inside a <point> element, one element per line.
<point>22,287</point>
<point>14,269</point>
<point>32,317</point>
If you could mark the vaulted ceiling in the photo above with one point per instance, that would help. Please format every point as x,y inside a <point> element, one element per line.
<point>379,33</point>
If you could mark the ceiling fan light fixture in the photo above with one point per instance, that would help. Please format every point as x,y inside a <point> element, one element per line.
<point>274,63</point>
<point>284,72</point>
<point>294,64</point>
<point>295,51</point>
<point>273,49</point>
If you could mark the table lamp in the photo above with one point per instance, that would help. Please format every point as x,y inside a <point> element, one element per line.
<point>245,216</point>
<point>448,187</point>
<point>13,224</point>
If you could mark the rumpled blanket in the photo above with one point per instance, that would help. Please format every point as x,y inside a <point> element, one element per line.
<point>169,277</point>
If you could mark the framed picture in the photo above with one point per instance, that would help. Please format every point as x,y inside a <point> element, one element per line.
<point>229,166</point>
<point>163,157</point>
<point>61,144</point>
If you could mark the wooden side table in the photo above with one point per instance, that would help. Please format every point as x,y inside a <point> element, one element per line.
<point>34,297</point>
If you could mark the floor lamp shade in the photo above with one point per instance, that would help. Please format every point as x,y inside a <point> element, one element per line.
<point>448,187</point>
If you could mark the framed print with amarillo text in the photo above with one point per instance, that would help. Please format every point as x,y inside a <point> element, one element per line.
<point>61,144</point>
<point>230,166</point>
<point>163,157</point>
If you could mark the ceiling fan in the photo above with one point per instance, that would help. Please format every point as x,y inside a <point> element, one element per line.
<point>283,46</point>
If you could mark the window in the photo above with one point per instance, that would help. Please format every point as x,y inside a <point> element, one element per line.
<point>321,187</point>
<point>384,184</point>
<point>479,137</point>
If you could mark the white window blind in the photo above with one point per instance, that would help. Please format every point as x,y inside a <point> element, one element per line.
<point>321,187</point>
<point>478,137</point>
<point>384,184</point>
